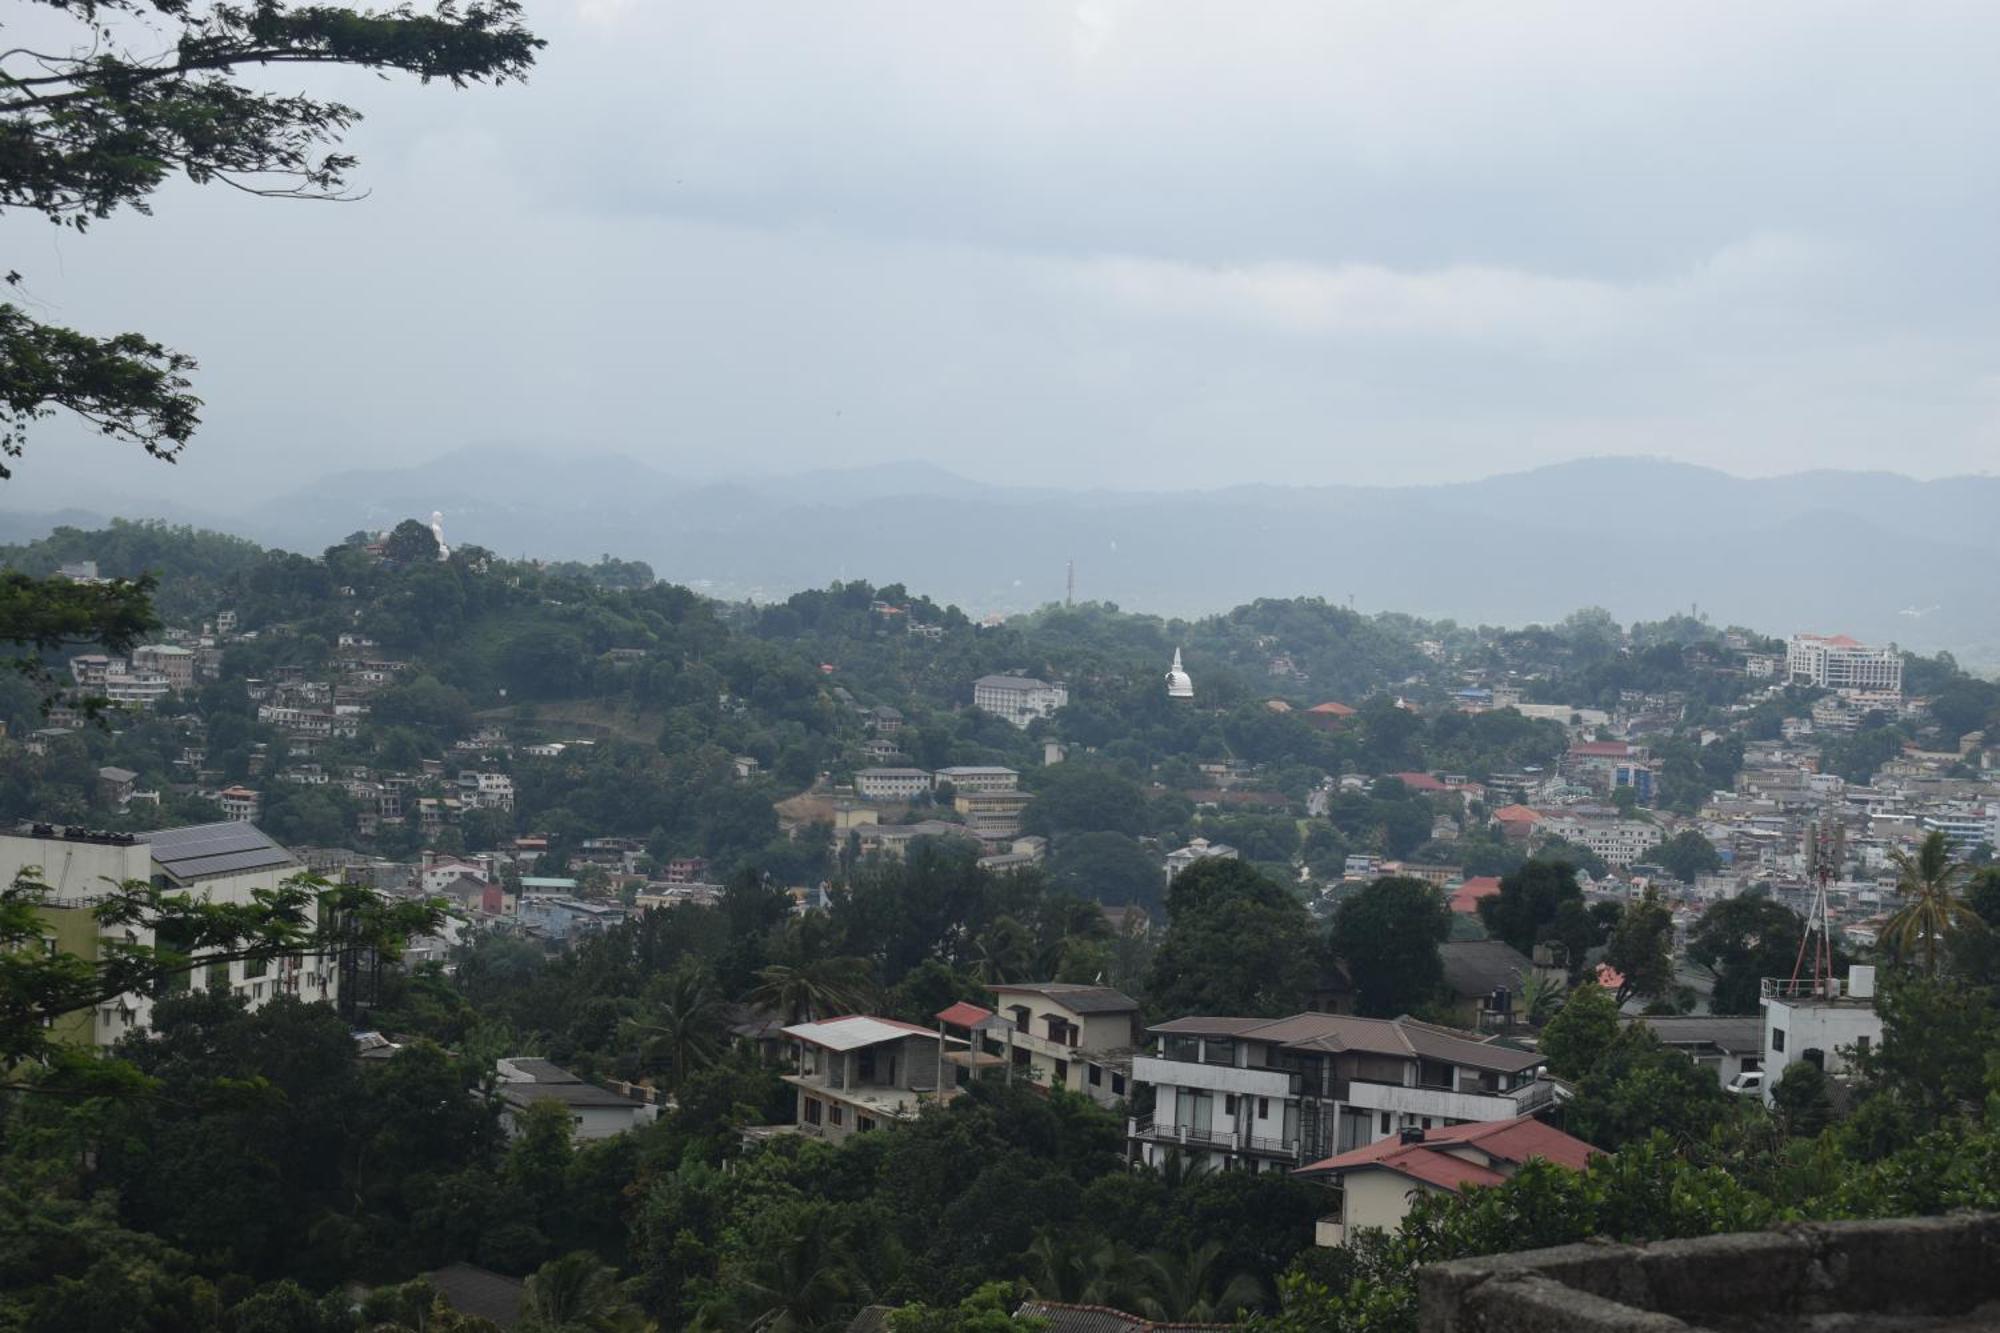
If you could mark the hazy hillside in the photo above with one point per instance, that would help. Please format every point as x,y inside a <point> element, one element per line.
<point>1825,550</point>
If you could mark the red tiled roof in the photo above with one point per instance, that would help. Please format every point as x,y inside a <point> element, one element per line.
<point>1518,814</point>
<point>1505,1141</point>
<point>1609,977</point>
<point>1331,709</point>
<point>1420,782</point>
<point>1601,749</point>
<point>963,1014</point>
<point>1465,899</point>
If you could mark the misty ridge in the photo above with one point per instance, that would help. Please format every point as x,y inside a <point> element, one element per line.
<point>1874,554</point>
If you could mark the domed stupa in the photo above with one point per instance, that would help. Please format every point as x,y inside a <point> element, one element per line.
<point>1179,684</point>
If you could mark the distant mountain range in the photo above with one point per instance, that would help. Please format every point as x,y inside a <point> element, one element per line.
<point>1877,555</point>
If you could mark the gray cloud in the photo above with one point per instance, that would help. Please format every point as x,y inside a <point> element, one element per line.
<point>1109,244</point>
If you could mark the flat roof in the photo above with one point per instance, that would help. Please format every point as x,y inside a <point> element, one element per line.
<point>855,1031</point>
<point>201,851</point>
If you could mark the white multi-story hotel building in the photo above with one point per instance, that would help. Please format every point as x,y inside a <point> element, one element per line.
<point>1837,662</point>
<point>1019,699</point>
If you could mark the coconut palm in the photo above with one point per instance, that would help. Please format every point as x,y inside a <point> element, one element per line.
<point>820,988</point>
<point>1057,1271</point>
<point>1120,1276</point>
<point>1004,951</point>
<point>679,1021</point>
<point>1931,907</point>
<point>578,1294</point>
<point>804,1283</point>
<point>1191,1287</point>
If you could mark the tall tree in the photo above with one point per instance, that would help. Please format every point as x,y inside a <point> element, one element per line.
<point>1237,943</point>
<point>1745,939</point>
<point>1932,910</point>
<point>1388,935</point>
<point>140,91</point>
<point>1525,908</point>
<point>1641,947</point>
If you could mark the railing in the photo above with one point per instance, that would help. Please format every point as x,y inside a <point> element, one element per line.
<point>1170,1133</point>
<point>1827,988</point>
<point>1280,1147</point>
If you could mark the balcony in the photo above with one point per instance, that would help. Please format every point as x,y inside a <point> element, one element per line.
<point>1446,1104</point>
<point>1214,1078</point>
<point>1148,1130</point>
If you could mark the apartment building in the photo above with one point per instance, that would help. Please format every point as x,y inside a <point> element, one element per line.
<point>856,1073</point>
<point>992,816</point>
<point>1837,662</point>
<point>891,784</point>
<point>1018,699</point>
<point>980,777</point>
<point>224,863</point>
<point>169,660</point>
<point>1619,842</point>
<point>1066,1035</point>
<point>1256,1094</point>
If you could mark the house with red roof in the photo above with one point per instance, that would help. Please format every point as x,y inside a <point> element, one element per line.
<point>1422,782</point>
<point>1328,716</point>
<point>1517,823</point>
<point>1375,1185</point>
<point>1465,898</point>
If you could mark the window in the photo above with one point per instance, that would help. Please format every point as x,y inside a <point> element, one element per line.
<point>864,1123</point>
<point>1096,1075</point>
<point>1229,1104</point>
<point>1385,1122</point>
<point>812,1110</point>
<point>256,967</point>
<point>1263,1108</point>
<point>1777,1039</point>
<point>1062,1073</point>
<point>837,1113</point>
<point>1861,1044</point>
<point>1118,1085</point>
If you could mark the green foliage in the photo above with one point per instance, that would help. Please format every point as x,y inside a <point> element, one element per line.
<point>1641,947</point>
<point>1582,1033</point>
<point>1524,911</point>
<point>1388,936</point>
<point>1745,939</point>
<point>1236,943</point>
<point>1687,856</point>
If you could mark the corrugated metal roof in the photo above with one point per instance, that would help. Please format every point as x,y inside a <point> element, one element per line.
<point>201,851</point>
<point>855,1031</point>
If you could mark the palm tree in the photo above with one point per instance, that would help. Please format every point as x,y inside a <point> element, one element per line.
<point>1190,1287</point>
<point>821,988</point>
<point>1120,1276</point>
<point>1931,908</point>
<point>680,1019</point>
<point>805,1283</point>
<point>1004,952</point>
<point>1057,1271</point>
<point>1541,995</point>
<point>578,1294</point>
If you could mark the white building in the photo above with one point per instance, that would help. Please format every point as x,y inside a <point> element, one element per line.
<point>1179,684</point>
<point>224,863</point>
<point>1836,662</point>
<point>980,777</point>
<point>891,784</point>
<point>1201,849</point>
<point>1072,1036</point>
<point>1018,699</point>
<point>1818,1022</point>
<point>1269,1095</point>
<point>594,1112</point>
<point>486,791</point>
<point>857,1073</point>
<point>166,659</point>
<point>1617,842</point>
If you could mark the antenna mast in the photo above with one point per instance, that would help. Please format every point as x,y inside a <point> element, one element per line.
<point>1069,595</point>
<point>1826,841</point>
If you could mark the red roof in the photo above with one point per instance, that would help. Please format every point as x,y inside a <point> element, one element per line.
<point>1331,709</point>
<point>1465,899</point>
<point>963,1014</point>
<point>1518,814</point>
<point>1609,977</point>
<point>1433,1161</point>
<point>1601,749</point>
<point>1420,782</point>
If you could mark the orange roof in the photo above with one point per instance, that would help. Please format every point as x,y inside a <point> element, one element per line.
<point>1420,782</point>
<point>1518,814</point>
<point>1465,900</point>
<point>963,1014</point>
<point>1609,977</point>
<point>1509,1142</point>
<point>1331,709</point>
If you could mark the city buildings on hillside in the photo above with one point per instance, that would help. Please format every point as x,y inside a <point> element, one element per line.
<point>891,784</point>
<point>980,777</point>
<point>1256,1094</point>
<point>222,863</point>
<point>1837,662</point>
<point>1018,699</point>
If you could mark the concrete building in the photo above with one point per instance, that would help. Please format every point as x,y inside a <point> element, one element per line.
<point>1072,1036</point>
<point>170,661</point>
<point>224,863</point>
<point>1200,849</point>
<point>1619,842</point>
<point>992,816</point>
<point>857,1073</point>
<point>891,784</point>
<point>1374,1186</point>
<point>1018,699</point>
<point>1723,1044</point>
<point>594,1112</point>
<point>1260,1094</point>
<point>1819,1022</point>
<point>980,777</point>
<point>1836,662</point>
<point>239,803</point>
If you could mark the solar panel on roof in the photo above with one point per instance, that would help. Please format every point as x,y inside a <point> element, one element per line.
<point>215,849</point>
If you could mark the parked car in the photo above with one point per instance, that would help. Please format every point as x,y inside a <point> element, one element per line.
<point>1750,1080</point>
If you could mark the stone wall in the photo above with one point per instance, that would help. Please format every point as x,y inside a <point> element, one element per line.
<point>1901,1273</point>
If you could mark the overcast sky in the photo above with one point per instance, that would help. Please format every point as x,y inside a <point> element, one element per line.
<point>1105,244</point>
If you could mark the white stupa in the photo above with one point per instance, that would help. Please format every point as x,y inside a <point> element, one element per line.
<point>1179,684</point>
<point>437,531</point>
